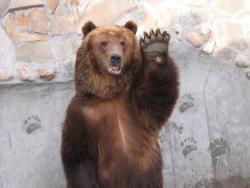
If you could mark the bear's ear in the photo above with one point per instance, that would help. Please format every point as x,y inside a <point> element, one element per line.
<point>88,26</point>
<point>131,26</point>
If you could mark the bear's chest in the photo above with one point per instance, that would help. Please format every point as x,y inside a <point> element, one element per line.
<point>113,125</point>
<point>122,142</point>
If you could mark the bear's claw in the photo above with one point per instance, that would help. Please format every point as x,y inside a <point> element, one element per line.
<point>155,41</point>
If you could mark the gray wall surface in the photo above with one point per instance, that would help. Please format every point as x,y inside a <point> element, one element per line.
<point>205,143</point>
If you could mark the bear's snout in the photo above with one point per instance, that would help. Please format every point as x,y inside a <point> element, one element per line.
<point>115,64</point>
<point>115,59</point>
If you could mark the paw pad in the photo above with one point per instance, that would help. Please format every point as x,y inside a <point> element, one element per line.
<point>155,41</point>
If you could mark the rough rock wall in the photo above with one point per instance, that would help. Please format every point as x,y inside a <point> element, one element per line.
<point>206,142</point>
<point>40,34</point>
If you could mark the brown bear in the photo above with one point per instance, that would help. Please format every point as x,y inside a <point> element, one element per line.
<point>125,91</point>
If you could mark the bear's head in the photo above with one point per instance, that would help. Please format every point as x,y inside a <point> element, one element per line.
<point>107,59</point>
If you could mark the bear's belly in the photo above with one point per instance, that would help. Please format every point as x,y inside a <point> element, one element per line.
<point>126,155</point>
<point>124,147</point>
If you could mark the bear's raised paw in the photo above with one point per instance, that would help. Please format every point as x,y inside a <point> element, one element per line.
<point>155,41</point>
<point>154,46</point>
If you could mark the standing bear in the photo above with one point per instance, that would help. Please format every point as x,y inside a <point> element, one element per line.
<point>125,92</point>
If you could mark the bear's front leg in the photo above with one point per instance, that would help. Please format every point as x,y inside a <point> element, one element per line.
<point>155,89</point>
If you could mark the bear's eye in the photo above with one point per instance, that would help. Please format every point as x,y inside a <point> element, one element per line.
<point>103,44</point>
<point>123,43</point>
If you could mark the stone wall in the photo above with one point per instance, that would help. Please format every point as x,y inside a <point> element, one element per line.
<point>40,37</point>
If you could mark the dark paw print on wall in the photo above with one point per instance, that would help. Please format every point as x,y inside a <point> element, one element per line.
<point>32,123</point>
<point>186,102</point>
<point>248,75</point>
<point>218,146</point>
<point>189,145</point>
<point>175,127</point>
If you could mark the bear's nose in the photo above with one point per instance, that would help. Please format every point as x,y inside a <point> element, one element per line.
<point>115,59</point>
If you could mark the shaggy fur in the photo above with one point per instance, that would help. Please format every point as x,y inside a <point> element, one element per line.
<point>112,123</point>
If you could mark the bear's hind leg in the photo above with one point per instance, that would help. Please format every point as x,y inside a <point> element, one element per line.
<point>81,177</point>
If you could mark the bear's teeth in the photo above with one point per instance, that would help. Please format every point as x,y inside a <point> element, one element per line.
<point>115,70</point>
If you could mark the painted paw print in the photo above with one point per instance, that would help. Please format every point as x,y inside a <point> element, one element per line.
<point>248,75</point>
<point>162,137</point>
<point>175,127</point>
<point>218,146</point>
<point>189,145</point>
<point>32,123</point>
<point>186,102</point>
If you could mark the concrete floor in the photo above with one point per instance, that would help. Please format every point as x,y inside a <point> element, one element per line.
<point>205,143</point>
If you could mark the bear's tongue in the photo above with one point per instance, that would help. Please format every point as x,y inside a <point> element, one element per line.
<point>114,70</point>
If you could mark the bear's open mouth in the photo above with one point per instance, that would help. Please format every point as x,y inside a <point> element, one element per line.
<point>114,69</point>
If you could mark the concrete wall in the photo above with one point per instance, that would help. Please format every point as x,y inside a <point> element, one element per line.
<point>206,141</point>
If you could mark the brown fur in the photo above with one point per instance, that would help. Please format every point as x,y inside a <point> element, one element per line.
<point>112,123</point>
<point>90,77</point>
